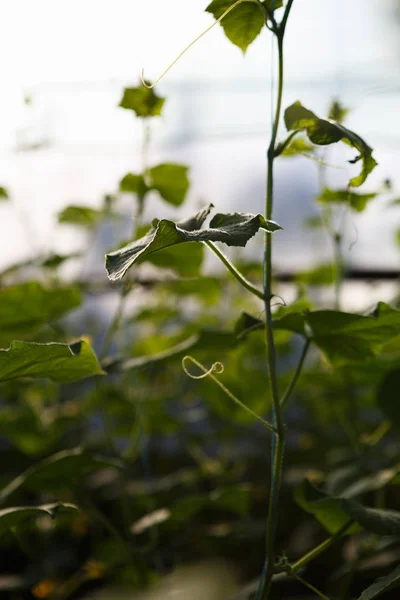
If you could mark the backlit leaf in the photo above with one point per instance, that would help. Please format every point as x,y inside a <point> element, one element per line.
<point>59,362</point>
<point>242,25</point>
<point>233,229</point>
<point>142,101</point>
<point>325,131</point>
<point>382,585</point>
<point>171,181</point>
<point>17,515</point>
<point>133,184</point>
<point>356,201</point>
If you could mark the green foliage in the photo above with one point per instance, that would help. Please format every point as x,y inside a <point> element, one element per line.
<point>81,216</point>
<point>357,202</point>
<point>243,24</point>
<point>388,397</point>
<point>59,362</point>
<point>142,101</point>
<point>133,184</point>
<point>3,193</point>
<point>233,229</point>
<point>382,585</point>
<point>170,181</point>
<point>17,516</point>
<point>298,146</point>
<point>381,522</point>
<point>324,132</point>
<point>337,112</point>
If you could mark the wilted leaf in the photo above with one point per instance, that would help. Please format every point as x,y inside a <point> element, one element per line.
<point>382,585</point>
<point>142,101</point>
<point>233,229</point>
<point>60,362</point>
<point>171,182</point>
<point>356,201</point>
<point>324,132</point>
<point>389,397</point>
<point>242,25</point>
<point>11,517</point>
<point>81,216</point>
<point>346,337</point>
<point>381,522</point>
<point>27,306</point>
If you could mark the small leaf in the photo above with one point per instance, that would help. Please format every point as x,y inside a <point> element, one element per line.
<point>382,585</point>
<point>246,324</point>
<point>3,194</point>
<point>62,470</point>
<point>389,397</point>
<point>346,337</point>
<point>142,101</point>
<point>297,147</point>
<point>314,222</point>
<point>324,132</point>
<point>11,517</point>
<point>133,184</point>
<point>60,362</point>
<point>243,24</point>
<point>356,201</point>
<point>81,216</point>
<point>272,5</point>
<point>232,229</point>
<point>337,112</point>
<point>320,275</point>
<point>171,181</point>
<point>381,522</point>
<point>55,260</point>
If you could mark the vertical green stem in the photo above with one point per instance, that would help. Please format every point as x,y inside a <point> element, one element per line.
<point>279,442</point>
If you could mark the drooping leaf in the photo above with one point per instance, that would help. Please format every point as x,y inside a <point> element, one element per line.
<point>60,362</point>
<point>325,131</point>
<point>381,522</point>
<point>81,216</point>
<point>243,24</point>
<point>142,101</point>
<point>357,202</point>
<point>327,510</point>
<point>11,517</point>
<point>389,397</point>
<point>337,112</point>
<point>133,184</point>
<point>346,337</point>
<point>382,585</point>
<point>186,264</point>
<point>62,470</point>
<point>171,182</point>
<point>3,193</point>
<point>27,306</point>
<point>233,229</point>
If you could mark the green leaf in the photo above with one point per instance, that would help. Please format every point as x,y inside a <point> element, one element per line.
<point>314,222</point>
<point>62,470</point>
<point>243,24</point>
<point>272,5</point>
<point>356,201</point>
<point>346,337</point>
<point>55,260</point>
<point>81,216</point>
<point>142,101</point>
<point>170,181</point>
<point>337,112</point>
<point>3,193</point>
<point>294,322</point>
<point>381,522</point>
<point>323,132</point>
<point>186,264</point>
<point>382,585</point>
<point>11,517</point>
<point>28,306</point>
<point>320,275</point>
<point>246,324</point>
<point>326,510</point>
<point>398,237</point>
<point>297,147</point>
<point>60,362</point>
<point>133,184</point>
<point>232,229</point>
<point>389,397</point>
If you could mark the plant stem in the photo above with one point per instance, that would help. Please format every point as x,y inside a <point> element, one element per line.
<point>311,587</point>
<point>235,272</point>
<point>337,244</point>
<point>278,442</point>
<point>296,375</point>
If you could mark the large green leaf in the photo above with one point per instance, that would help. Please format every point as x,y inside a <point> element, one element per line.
<point>60,362</point>
<point>15,516</point>
<point>243,24</point>
<point>389,397</point>
<point>133,184</point>
<point>356,201</point>
<point>327,510</point>
<point>327,131</point>
<point>3,193</point>
<point>381,522</point>
<point>61,470</point>
<point>27,306</point>
<point>382,585</point>
<point>81,216</point>
<point>186,264</point>
<point>233,229</point>
<point>171,182</point>
<point>142,101</point>
<point>346,337</point>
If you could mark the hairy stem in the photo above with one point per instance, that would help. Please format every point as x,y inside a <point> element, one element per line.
<point>235,272</point>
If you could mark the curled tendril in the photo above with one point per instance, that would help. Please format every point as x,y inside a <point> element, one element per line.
<point>228,10</point>
<point>218,368</point>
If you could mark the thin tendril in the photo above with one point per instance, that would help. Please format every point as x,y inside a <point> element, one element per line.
<point>150,86</point>
<point>218,368</point>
